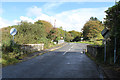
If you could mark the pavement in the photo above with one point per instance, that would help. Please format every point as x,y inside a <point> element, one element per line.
<point>67,61</point>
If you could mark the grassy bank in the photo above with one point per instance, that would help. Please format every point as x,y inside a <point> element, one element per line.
<point>91,42</point>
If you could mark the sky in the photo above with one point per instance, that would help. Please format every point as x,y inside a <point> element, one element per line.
<point>70,15</point>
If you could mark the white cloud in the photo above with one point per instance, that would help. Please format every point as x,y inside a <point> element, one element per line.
<point>75,19</point>
<point>51,5</point>
<point>69,20</point>
<point>4,23</point>
<point>46,18</point>
<point>23,18</point>
<point>47,7</point>
<point>34,11</point>
<point>42,17</point>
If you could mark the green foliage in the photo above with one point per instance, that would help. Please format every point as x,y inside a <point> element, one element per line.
<point>93,19</point>
<point>28,33</point>
<point>10,52</point>
<point>91,42</point>
<point>112,22</point>
<point>9,47</point>
<point>8,59</point>
<point>77,38</point>
<point>48,26</point>
<point>68,36</point>
<point>76,35</point>
<point>53,34</point>
<point>92,29</point>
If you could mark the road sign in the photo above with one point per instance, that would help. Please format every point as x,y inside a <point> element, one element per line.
<point>105,33</point>
<point>13,31</point>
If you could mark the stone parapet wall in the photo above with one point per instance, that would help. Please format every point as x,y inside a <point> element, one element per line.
<point>32,47</point>
<point>60,41</point>
<point>94,50</point>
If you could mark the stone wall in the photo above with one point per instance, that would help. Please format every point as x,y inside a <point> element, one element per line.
<point>95,50</point>
<point>60,41</point>
<point>32,47</point>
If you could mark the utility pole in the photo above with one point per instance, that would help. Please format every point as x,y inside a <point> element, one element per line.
<point>105,51</point>
<point>54,23</point>
<point>115,37</point>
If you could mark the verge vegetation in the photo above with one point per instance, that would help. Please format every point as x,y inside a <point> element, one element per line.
<point>31,33</point>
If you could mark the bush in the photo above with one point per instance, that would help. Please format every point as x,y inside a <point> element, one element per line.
<point>9,47</point>
<point>8,59</point>
<point>11,53</point>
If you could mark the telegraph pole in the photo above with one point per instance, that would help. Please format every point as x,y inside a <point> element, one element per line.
<point>105,52</point>
<point>115,37</point>
<point>54,23</point>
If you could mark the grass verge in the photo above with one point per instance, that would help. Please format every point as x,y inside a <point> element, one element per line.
<point>91,42</point>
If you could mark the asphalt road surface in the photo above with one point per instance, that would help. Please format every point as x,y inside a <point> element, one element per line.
<point>66,62</point>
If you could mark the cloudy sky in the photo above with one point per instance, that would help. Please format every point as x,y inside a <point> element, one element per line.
<point>71,15</point>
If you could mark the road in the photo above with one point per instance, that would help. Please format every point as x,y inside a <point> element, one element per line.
<point>65,62</point>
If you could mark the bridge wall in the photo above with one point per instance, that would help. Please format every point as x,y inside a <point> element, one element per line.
<point>32,47</point>
<point>95,50</point>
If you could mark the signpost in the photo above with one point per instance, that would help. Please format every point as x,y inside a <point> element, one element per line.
<point>13,32</point>
<point>105,33</point>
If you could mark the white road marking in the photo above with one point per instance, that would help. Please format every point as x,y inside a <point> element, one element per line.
<point>64,53</point>
<point>67,51</point>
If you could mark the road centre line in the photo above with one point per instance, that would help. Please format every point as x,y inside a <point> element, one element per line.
<point>67,51</point>
<point>64,52</point>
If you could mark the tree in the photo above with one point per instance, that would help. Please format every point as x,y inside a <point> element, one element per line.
<point>76,35</point>
<point>93,19</point>
<point>112,22</point>
<point>30,33</point>
<point>48,26</point>
<point>61,32</point>
<point>68,37</point>
<point>53,34</point>
<point>92,29</point>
